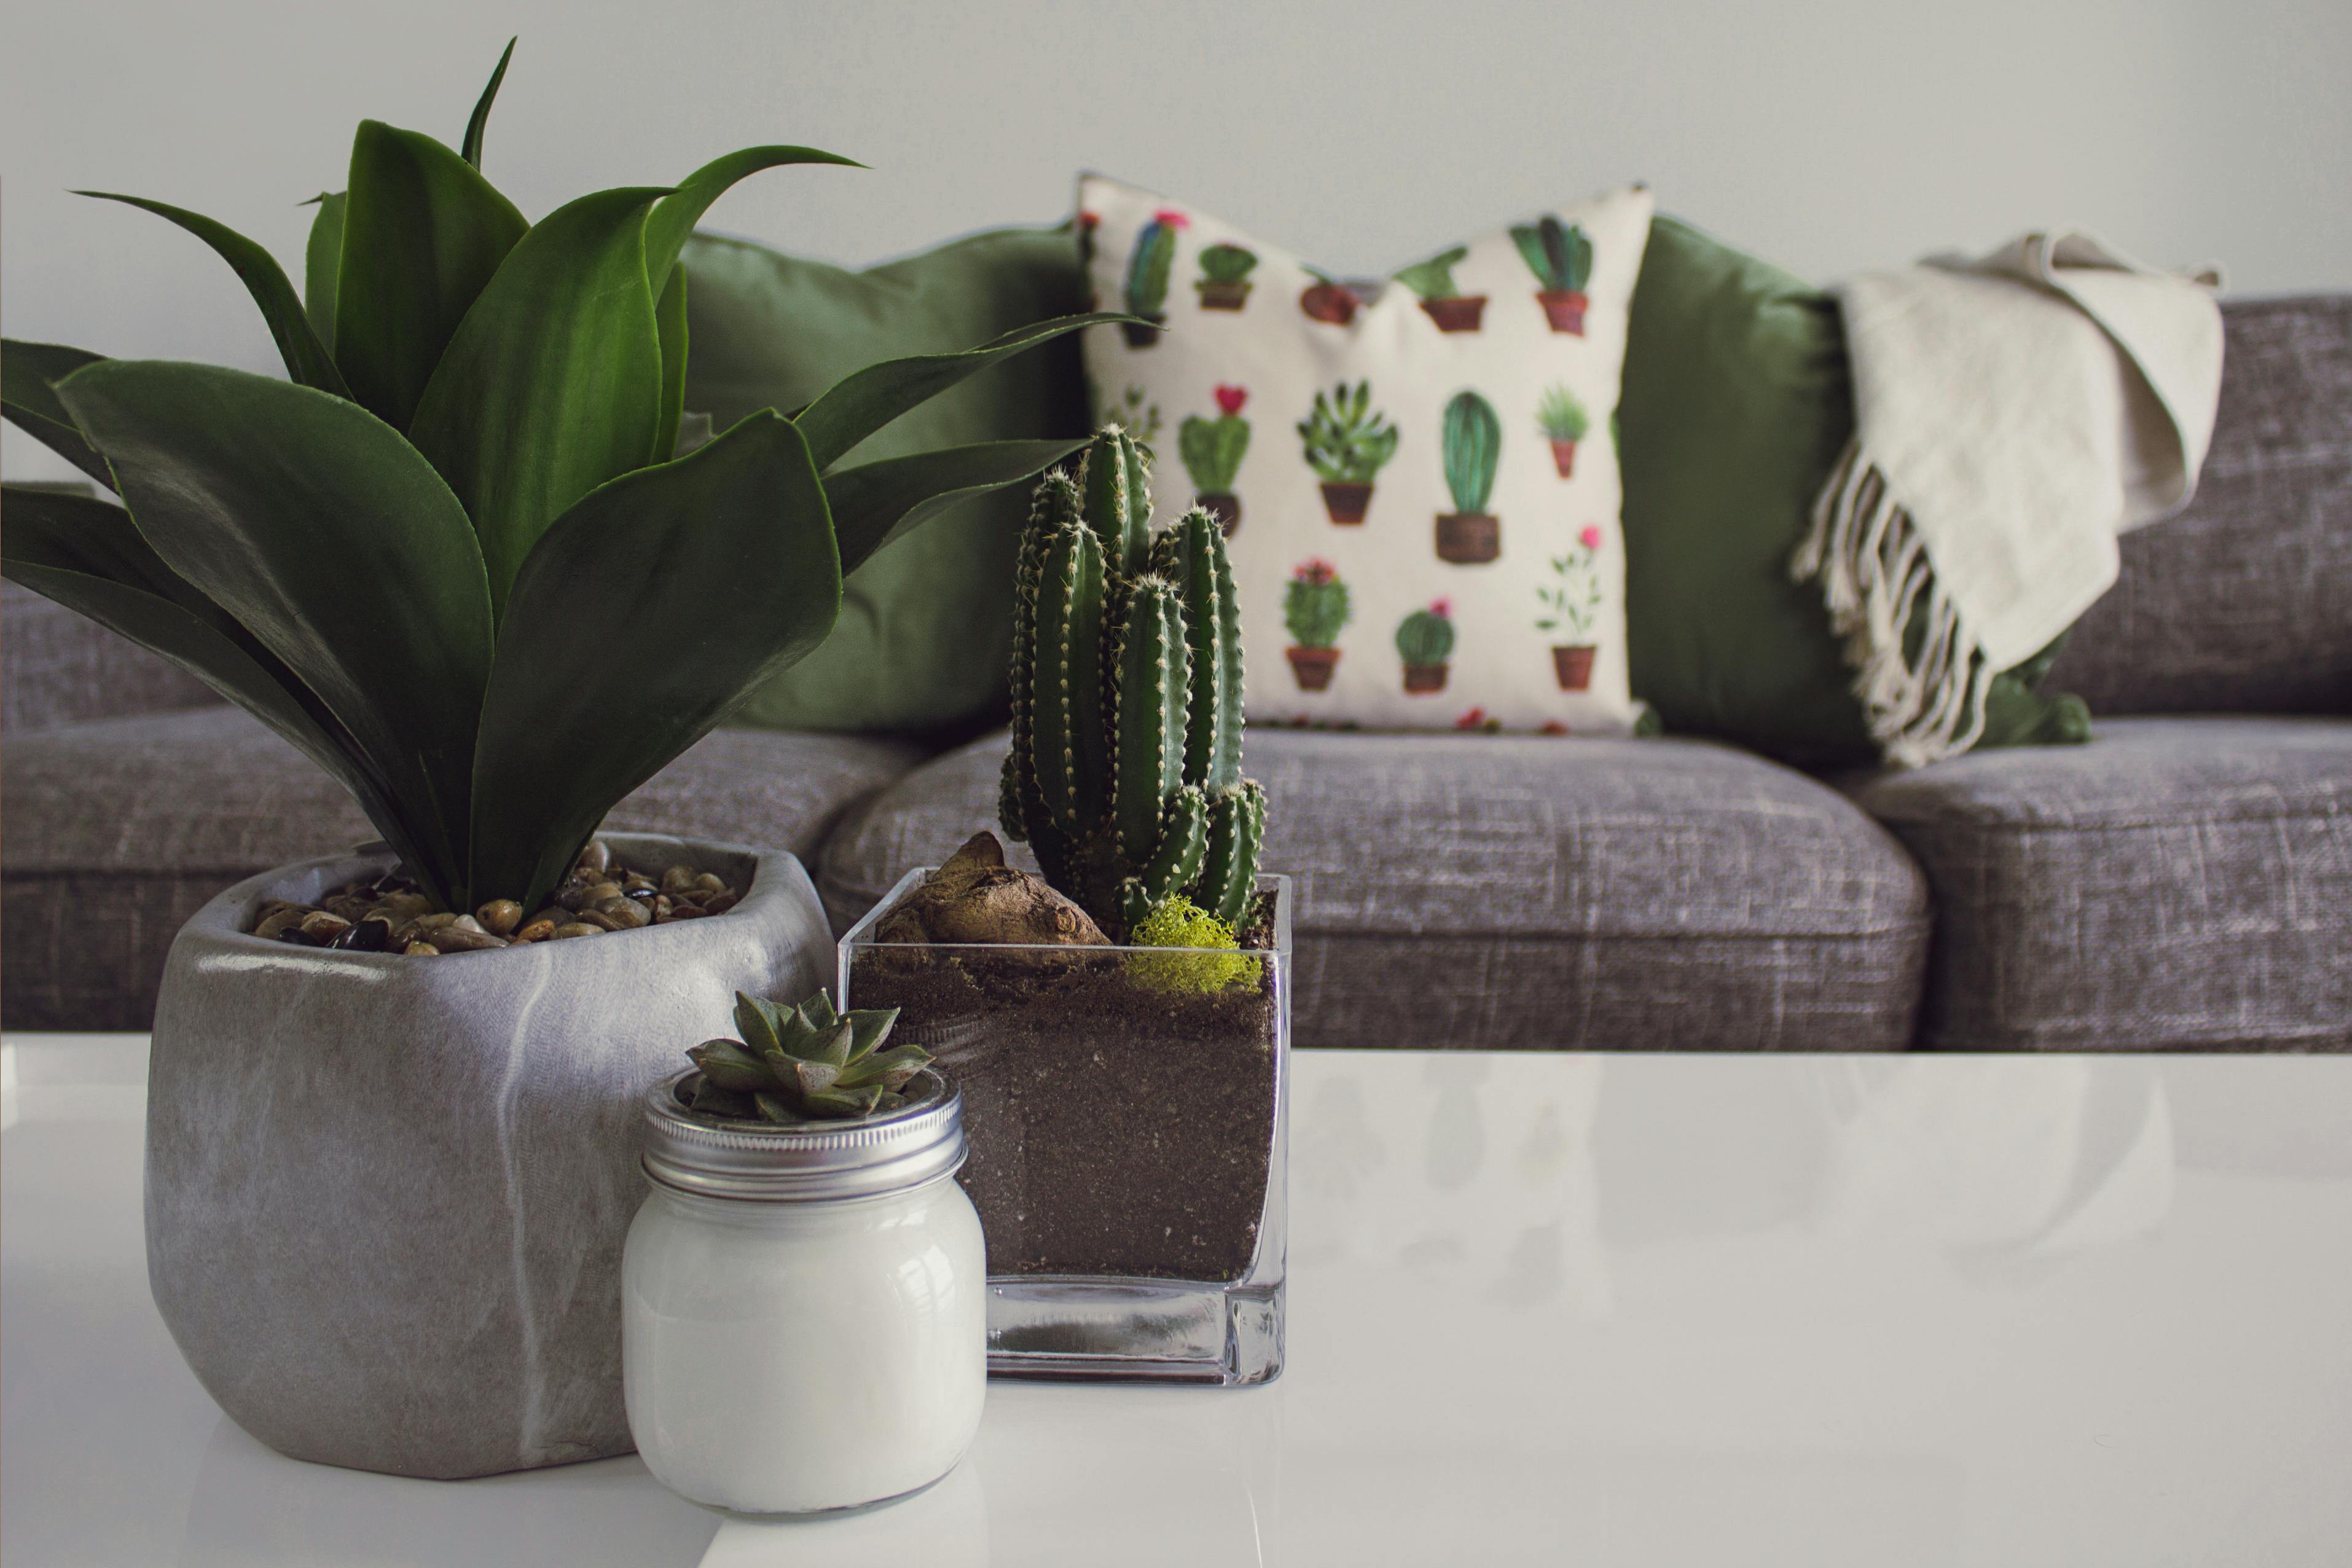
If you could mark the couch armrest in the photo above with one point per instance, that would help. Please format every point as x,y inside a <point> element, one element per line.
<point>59,668</point>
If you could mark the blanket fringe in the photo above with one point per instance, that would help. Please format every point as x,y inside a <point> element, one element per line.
<point>1875,573</point>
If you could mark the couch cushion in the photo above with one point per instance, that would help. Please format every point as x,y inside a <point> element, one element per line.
<point>117,830</point>
<point>2243,602</point>
<point>2178,883</point>
<point>1497,891</point>
<point>58,667</point>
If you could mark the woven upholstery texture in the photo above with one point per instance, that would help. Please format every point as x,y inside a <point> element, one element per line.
<point>1490,892</point>
<point>2176,884</point>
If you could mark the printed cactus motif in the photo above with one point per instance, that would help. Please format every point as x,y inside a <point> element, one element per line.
<point>1424,641</point>
<point>1147,271</point>
<point>1125,769</point>
<point>1212,450</point>
<point>1328,299</point>
<point>1440,300</point>
<point>1314,609</point>
<point>1472,444</point>
<point>1224,277</point>
<point>1560,256</point>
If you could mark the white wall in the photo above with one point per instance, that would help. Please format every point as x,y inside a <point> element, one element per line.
<point>1830,136</point>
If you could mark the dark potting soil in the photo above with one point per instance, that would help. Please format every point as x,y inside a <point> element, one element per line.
<point>1115,1128</point>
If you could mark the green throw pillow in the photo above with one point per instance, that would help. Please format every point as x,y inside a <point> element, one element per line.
<point>927,624</point>
<point>1735,405</point>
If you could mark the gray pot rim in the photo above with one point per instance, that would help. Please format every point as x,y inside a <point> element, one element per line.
<point>223,920</point>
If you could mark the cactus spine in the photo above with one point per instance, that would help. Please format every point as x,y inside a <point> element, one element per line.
<point>1125,769</point>
<point>1473,444</point>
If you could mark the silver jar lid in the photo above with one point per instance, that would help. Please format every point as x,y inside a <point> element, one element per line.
<point>811,1161</point>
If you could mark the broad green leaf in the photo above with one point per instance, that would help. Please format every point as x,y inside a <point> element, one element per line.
<point>720,570</point>
<point>480,119</point>
<point>72,550</point>
<point>679,212</point>
<point>875,504</point>
<point>307,360</point>
<point>334,543</point>
<point>28,375</point>
<point>553,382</point>
<point>423,235</point>
<point>322,259</point>
<point>864,401</point>
<point>669,320</point>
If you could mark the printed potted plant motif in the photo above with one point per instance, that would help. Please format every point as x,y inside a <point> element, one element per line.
<point>1563,421</point>
<point>1134,412</point>
<point>1329,300</point>
<point>1572,606</point>
<point>1315,608</point>
<point>1212,450</point>
<point>1561,258</point>
<point>1472,442</point>
<point>1447,306</point>
<point>1147,271</point>
<point>1224,277</point>
<point>1424,639</point>
<point>1347,444</point>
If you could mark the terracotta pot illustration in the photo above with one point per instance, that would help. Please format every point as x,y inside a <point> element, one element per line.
<point>1225,508</point>
<point>1563,458</point>
<point>1216,296</point>
<point>1456,315</point>
<point>1137,335</point>
<point>1312,667</point>
<point>1565,307</point>
<point>1331,303</point>
<point>1422,678</point>
<point>1468,538</point>
<point>1573,665</point>
<point>1346,503</point>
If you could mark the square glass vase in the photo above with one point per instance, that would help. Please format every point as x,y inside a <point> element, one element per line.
<point>1127,1109</point>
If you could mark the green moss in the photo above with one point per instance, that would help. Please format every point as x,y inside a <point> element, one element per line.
<point>1215,963</point>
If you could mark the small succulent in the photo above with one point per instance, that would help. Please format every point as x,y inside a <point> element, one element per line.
<point>1561,415</point>
<point>1347,440</point>
<point>1227,263</point>
<point>802,1063</point>
<point>1314,605</point>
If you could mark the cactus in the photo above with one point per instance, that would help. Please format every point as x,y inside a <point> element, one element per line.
<point>1433,279</point>
<point>1148,270</point>
<point>1347,441</point>
<point>1314,605</point>
<point>1560,256</point>
<point>1473,445</point>
<point>1125,769</point>
<point>1212,449</point>
<point>1226,263</point>
<point>1425,637</point>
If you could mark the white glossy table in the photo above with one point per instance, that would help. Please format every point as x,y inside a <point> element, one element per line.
<point>1628,1310</point>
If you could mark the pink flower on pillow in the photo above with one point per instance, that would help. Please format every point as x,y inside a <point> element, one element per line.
<point>1591,537</point>
<point>1230,399</point>
<point>1315,571</point>
<point>1474,718</point>
<point>1442,608</point>
<point>1172,217</point>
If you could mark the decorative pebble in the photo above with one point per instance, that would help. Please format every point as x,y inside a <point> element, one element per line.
<point>389,913</point>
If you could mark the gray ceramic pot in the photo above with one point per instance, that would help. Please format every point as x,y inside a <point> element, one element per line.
<point>386,1195</point>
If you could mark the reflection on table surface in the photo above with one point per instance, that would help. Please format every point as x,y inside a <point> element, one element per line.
<point>1630,1310</point>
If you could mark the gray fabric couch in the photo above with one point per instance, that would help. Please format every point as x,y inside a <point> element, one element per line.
<point>2184,882</point>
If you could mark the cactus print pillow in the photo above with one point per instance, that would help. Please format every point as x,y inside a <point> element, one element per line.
<point>1417,478</point>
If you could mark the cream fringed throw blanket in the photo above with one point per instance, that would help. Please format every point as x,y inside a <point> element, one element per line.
<point>2012,415</point>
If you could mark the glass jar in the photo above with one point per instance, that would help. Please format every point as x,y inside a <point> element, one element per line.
<point>805,1316</point>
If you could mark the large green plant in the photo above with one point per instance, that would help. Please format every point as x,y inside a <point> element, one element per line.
<point>454,559</point>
